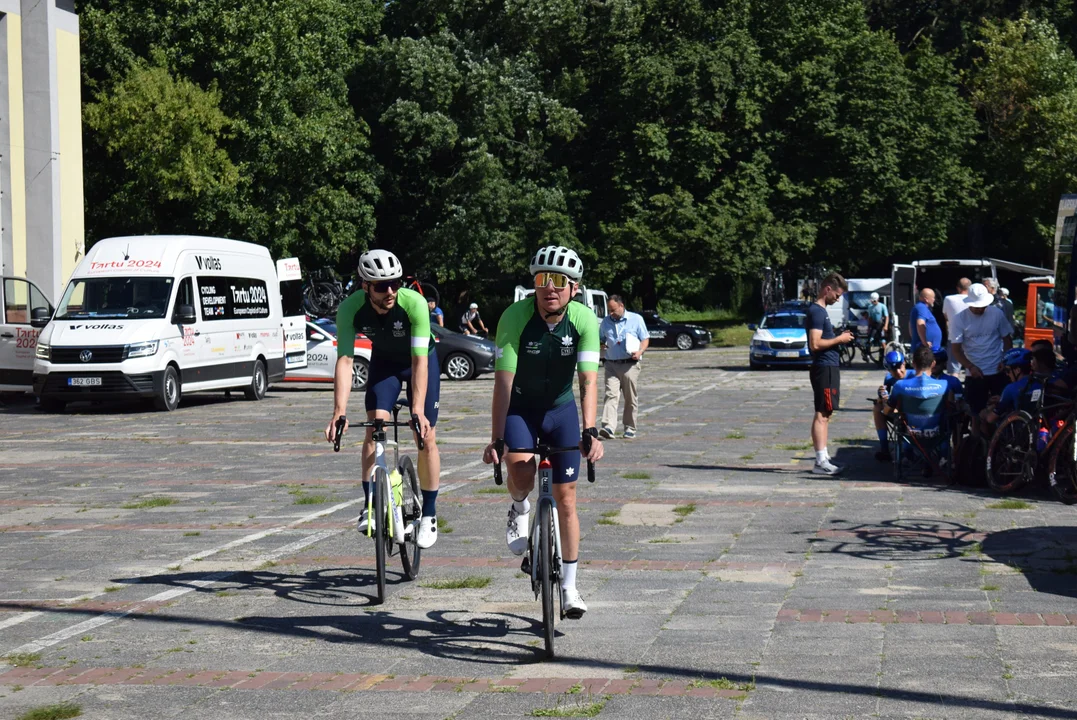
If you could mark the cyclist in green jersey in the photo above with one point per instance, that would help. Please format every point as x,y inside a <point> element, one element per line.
<point>541,341</point>
<point>397,322</point>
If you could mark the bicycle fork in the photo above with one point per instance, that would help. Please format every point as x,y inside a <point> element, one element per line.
<point>545,498</point>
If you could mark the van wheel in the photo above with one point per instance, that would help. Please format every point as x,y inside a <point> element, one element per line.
<point>51,405</point>
<point>169,397</point>
<point>257,388</point>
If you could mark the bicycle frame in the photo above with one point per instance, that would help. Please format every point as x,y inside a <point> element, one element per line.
<point>545,497</point>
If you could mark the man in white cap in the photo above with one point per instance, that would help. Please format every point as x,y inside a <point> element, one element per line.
<point>1002,299</point>
<point>979,336</point>
<point>470,322</point>
<point>952,306</point>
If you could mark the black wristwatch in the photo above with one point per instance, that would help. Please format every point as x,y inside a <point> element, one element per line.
<point>590,432</point>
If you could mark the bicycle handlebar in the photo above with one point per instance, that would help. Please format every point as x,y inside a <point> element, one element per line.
<point>341,422</point>
<point>543,451</point>
<point>377,425</point>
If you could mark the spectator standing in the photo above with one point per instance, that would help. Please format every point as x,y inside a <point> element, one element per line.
<point>825,369</point>
<point>471,321</point>
<point>1002,299</point>
<point>980,336</point>
<point>625,337</point>
<point>878,319</point>
<point>437,317</point>
<point>952,306</point>
<point>923,327</point>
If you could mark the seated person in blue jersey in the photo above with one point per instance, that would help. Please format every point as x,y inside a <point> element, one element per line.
<point>1019,364</point>
<point>1062,378</point>
<point>894,362</point>
<point>922,399</point>
<point>952,381</point>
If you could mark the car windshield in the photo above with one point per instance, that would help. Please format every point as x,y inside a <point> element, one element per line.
<point>783,322</point>
<point>327,325</point>
<point>115,297</point>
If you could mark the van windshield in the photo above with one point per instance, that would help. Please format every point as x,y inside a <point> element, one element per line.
<point>115,297</point>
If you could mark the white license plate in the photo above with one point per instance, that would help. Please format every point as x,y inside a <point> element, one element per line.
<point>788,354</point>
<point>84,381</point>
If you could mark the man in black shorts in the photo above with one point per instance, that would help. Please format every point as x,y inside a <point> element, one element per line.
<point>825,368</point>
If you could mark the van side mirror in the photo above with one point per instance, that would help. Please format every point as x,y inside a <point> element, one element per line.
<point>39,317</point>
<point>184,315</point>
<point>751,326</point>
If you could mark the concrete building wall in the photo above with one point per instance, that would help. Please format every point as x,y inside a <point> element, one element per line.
<point>41,226</point>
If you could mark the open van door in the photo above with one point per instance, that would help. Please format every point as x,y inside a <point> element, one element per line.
<point>903,286</point>
<point>294,318</point>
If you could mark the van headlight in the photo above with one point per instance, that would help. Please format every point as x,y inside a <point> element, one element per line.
<point>142,349</point>
<point>43,351</point>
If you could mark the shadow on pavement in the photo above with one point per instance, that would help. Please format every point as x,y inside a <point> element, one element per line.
<point>907,539</point>
<point>1046,556</point>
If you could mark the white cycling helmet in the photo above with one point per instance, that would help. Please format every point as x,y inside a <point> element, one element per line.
<point>375,265</point>
<point>875,297</point>
<point>555,258</point>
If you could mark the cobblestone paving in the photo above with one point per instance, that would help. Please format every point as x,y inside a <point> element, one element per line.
<point>204,564</point>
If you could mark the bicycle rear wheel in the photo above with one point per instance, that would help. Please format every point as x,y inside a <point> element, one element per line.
<point>874,353</point>
<point>1011,453</point>
<point>846,355</point>
<point>545,571</point>
<point>1062,468</point>
<point>410,552</point>
<point>381,532</point>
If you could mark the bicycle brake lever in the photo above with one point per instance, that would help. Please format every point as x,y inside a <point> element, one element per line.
<point>341,422</point>
<point>418,432</point>
<point>499,448</point>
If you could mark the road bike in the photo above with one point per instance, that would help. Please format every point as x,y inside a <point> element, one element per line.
<point>773,291</point>
<point>426,289</point>
<point>870,352</point>
<point>394,505</point>
<point>1024,438</point>
<point>324,292</point>
<point>542,561</point>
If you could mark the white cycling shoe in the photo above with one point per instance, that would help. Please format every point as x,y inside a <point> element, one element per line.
<point>428,532</point>
<point>364,520</point>
<point>572,603</point>
<point>516,531</point>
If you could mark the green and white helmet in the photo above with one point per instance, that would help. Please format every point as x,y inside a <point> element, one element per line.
<point>556,258</point>
<point>375,265</point>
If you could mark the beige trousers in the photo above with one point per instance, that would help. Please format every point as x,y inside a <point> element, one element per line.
<point>620,379</point>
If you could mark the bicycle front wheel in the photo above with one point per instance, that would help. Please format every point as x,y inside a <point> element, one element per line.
<point>412,508</point>
<point>546,574</point>
<point>379,487</point>
<point>1062,467</point>
<point>1011,454</point>
<point>846,354</point>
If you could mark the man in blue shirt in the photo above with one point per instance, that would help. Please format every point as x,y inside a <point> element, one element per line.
<point>625,337</point>
<point>878,319</point>
<point>923,327</point>
<point>922,398</point>
<point>825,368</point>
<point>437,316</point>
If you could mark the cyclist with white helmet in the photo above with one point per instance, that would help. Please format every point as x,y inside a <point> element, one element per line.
<point>397,321</point>
<point>541,342</point>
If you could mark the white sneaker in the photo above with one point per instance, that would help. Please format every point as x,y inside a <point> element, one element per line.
<point>428,532</point>
<point>572,603</point>
<point>516,532</point>
<point>826,468</point>
<point>364,520</point>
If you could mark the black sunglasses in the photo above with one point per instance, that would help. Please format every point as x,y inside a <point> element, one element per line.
<point>386,286</point>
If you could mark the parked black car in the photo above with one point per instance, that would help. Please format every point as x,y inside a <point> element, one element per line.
<point>683,336</point>
<point>463,357</point>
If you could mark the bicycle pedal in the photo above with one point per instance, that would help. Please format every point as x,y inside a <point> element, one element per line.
<point>525,566</point>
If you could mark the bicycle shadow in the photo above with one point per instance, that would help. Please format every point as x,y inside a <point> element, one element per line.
<point>904,539</point>
<point>1046,556</point>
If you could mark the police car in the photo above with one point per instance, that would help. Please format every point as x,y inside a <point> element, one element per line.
<point>780,339</point>
<point>322,356</point>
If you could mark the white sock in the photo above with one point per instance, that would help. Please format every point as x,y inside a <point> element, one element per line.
<point>522,506</point>
<point>821,456</point>
<point>568,574</point>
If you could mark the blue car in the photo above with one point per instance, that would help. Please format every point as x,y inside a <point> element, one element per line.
<point>780,339</point>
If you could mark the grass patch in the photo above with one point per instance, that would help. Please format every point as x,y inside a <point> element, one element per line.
<point>149,503</point>
<point>443,526</point>
<point>989,588</point>
<point>493,490</point>
<point>663,540</point>
<point>310,500</point>
<point>749,456</point>
<point>734,435</point>
<point>192,534</point>
<point>685,510</point>
<point>114,588</point>
<point>471,582</point>
<point>722,683</point>
<point>609,517</point>
<point>794,446</point>
<point>1010,504</point>
<point>636,475</point>
<point>578,709</point>
<point>52,712</point>
<point>23,659</point>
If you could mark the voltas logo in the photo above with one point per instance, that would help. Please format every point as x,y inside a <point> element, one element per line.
<point>208,262</point>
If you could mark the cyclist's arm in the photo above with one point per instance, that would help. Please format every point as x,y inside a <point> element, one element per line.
<point>587,363</point>
<point>441,319</point>
<point>415,306</point>
<point>499,409</point>
<point>816,343</point>
<point>342,377</point>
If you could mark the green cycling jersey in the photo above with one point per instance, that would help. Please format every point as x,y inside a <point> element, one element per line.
<point>542,357</point>
<point>397,336</point>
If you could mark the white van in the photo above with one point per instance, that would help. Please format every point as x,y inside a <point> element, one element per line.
<point>154,317</point>
<point>25,310</point>
<point>596,300</point>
